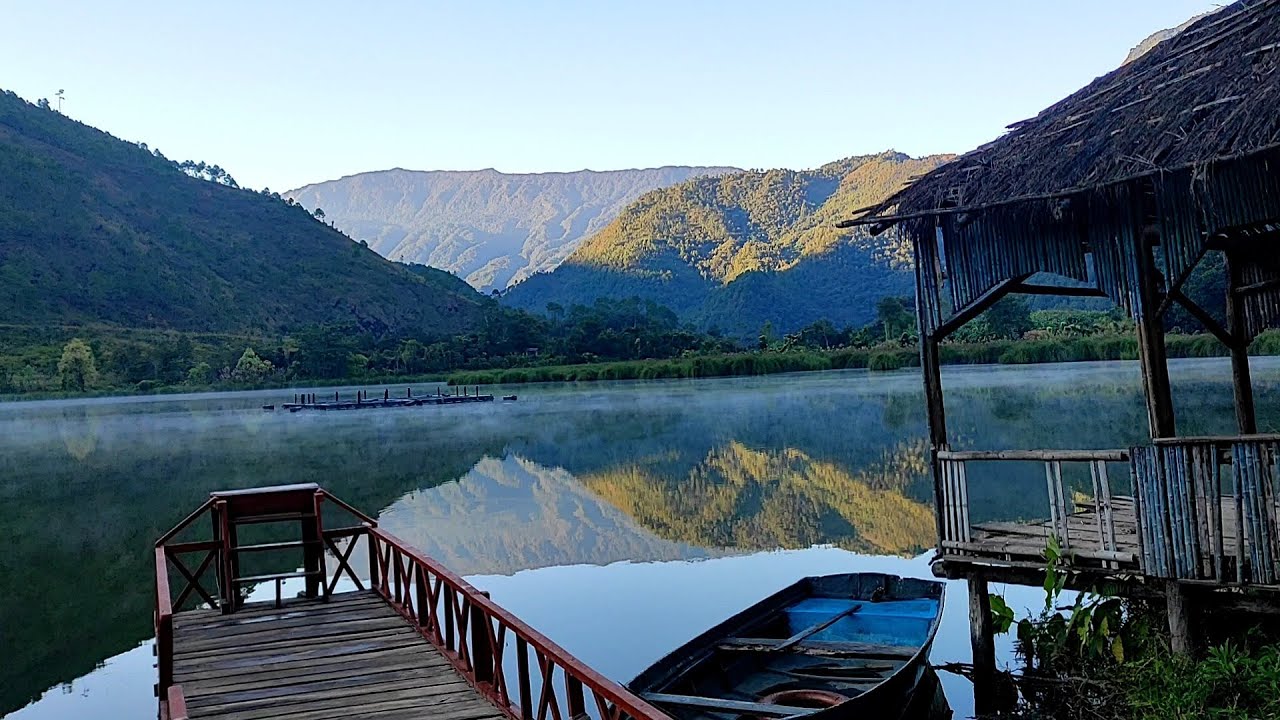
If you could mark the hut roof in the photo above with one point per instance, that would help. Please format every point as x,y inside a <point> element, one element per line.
<point>1208,93</point>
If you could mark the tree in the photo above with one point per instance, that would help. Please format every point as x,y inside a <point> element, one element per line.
<point>766,335</point>
<point>43,104</point>
<point>894,316</point>
<point>200,374</point>
<point>319,213</point>
<point>251,367</point>
<point>77,370</point>
<point>1009,318</point>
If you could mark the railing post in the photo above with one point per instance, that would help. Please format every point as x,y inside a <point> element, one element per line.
<point>522,679</point>
<point>481,648</point>
<point>227,560</point>
<point>576,700</point>
<point>313,550</point>
<point>373,558</point>
<point>420,589</point>
<point>164,652</point>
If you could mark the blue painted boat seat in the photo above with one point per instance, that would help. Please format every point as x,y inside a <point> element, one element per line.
<point>891,622</point>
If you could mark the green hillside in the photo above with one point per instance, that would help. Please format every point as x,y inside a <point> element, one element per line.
<point>493,228</point>
<point>735,251</point>
<point>97,230</point>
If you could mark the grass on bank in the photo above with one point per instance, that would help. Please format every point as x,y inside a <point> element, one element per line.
<point>1007,352</point>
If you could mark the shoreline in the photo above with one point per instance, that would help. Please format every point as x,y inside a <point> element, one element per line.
<point>742,364</point>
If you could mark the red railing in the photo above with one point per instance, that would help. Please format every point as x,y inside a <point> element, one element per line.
<point>173,704</point>
<point>477,636</point>
<point>472,631</point>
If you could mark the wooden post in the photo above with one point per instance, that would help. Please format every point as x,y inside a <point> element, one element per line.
<point>313,549</point>
<point>374,572</point>
<point>481,648</point>
<point>1154,362</point>
<point>928,317</point>
<point>982,639</point>
<point>1151,347</point>
<point>1242,383</point>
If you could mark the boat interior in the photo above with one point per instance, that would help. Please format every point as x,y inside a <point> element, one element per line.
<point>804,655</point>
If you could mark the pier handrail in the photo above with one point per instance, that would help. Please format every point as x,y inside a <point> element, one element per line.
<point>163,623</point>
<point>471,630</point>
<point>361,517</point>
<point>173,703</point>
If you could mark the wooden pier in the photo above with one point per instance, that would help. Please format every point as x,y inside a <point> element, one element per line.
<point>412,640</point>
<point>362,400</point>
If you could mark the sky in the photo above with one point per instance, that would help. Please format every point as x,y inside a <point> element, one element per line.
<point>284,94</point>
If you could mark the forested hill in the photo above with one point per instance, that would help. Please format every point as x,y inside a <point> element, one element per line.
<point>735,251</point>
<point>490,227</point>
<point>94,229</point>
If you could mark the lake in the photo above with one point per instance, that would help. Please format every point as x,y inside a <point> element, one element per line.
<point>618,518</point>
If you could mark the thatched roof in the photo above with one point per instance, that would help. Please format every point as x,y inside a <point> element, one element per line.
<point>1210,92</point>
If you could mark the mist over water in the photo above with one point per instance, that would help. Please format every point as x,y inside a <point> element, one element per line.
<point>618,518</point>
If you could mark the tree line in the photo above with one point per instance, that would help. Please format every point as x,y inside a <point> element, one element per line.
<point>578,336</point>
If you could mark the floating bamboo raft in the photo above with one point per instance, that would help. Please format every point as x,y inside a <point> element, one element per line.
<point>362,401</point>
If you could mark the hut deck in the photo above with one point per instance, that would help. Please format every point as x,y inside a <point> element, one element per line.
<point>1085,545</point>
<point>352,657</point>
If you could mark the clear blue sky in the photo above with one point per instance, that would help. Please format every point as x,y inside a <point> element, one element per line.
<point>282,94</point>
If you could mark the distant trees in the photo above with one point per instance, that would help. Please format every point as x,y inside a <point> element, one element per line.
<point>200,374</point>
<point>895,317</point>
<point>251,367</point>
<point>77,369</point>
<point>319,213</point>
<point>203,171</point>
<point>1009,319</point>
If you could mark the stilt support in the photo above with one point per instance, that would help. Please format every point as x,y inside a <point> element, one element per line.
<point>982,637</point>
<point>1181,637</point>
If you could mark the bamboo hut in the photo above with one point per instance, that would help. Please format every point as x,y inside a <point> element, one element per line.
<point>1119,191</point>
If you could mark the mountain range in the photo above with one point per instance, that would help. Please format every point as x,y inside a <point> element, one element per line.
<point>737,250</point>
<point>489,227</point>
<point>94,229</point>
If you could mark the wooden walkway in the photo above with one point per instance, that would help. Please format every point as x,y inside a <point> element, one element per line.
<point>352,657</point>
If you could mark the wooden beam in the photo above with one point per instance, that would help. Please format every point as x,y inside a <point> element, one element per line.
<point>1037,455</point>
<point>1207,320</point>
<point>1256,287</point>
<point>975,308</point>
<point>1060,290</point>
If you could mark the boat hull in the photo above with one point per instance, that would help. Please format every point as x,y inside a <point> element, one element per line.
<point>865,636</point>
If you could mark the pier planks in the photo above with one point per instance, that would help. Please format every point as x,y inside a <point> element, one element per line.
<point>353,657</point>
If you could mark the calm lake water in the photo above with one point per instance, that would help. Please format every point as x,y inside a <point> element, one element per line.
<point>620,519</point>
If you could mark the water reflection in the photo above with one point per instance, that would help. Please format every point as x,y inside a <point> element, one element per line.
<point>543,497</point>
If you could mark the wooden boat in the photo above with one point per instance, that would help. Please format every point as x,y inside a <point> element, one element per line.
<point>826,648</point>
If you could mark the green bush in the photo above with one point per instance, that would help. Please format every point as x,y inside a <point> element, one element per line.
<point>885,361</point>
